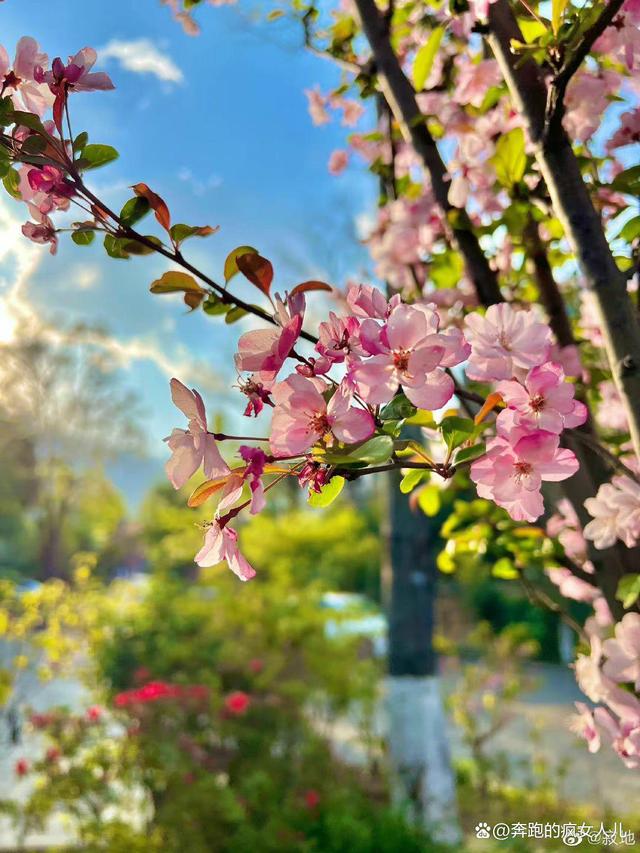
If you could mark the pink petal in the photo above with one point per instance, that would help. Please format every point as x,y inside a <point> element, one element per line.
<point>434,394</point>
<point>353,426</point>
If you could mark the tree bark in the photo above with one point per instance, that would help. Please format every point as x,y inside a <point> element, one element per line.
<point>401,97</point>
<point>574,208</point>
<point>418,738</point>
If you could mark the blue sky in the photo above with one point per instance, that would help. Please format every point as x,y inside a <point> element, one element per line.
<point>221,131</point>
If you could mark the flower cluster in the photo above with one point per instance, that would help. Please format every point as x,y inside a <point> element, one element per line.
<point>514,347</point>
<point>616,513</point>
<point>603,676</point>
<point>156,691</point>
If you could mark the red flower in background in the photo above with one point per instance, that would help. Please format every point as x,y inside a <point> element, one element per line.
<point>94,713</point>
<point>41,721</point>
<point>256,665</point>
<point>141,674</point>
<point>155,690</point>
<point>53,754</point>
<point>237,703</point>
<point>311,799</point>
<point>21,767</point>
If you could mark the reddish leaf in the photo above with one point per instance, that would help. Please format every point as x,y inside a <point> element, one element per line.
<point>193,300</point>
<point>257,269</point>
<point>231,263</point>
<point>158,205</point>
<point>491,402</point>
<point>205,490</point>
<point>308,286</point>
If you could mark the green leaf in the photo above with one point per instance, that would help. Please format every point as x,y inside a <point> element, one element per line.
<point>6,111</point>
<point>30,121</point>
<point>505,569</point>
<point>94,156</point>
<point>531,29</point>
<point>374,451</point>
<point>33,145</point>
<point>231,263</point>
<point>400,407</point>
<point>469,453</point>
<point>628,590</point>
<point>411,479</point>
<point>235,314</point>
<point>115,247</point>
<point>446,268</point>
<point>134,210</point>
<point>628,181</point>
<point>214,306</point>
<point>456,430</point>
<point>328,493</point>
<point>11,183</point>
<point>557,10</point>
<point>180,232</point>
<point>425,58</point>
<point>429,500</point>
<point>135,247</point>
<point>631,230</point>
<point>79,143</point>
<point>510,160</point>
<point>174,281</point>
<point>422,418</point>
<point>83,236</point>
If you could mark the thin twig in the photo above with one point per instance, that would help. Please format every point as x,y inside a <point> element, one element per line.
<point>557,90</point>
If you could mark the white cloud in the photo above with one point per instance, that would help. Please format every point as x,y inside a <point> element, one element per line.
<point>142,57</point>
<point>19,261</point>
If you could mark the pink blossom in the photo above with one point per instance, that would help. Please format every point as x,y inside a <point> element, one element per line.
<point>338,337</point>
<point>352,111</point>
<point>368,301</point>
<point>611,413</point>
<point>475,79</point>
<point>314,475</point>
<point>411,353</point>
<point>621,40</point>
<point>629,131</point>
<point>221,545</point>
<point>22,77</point>
<point>623,652</point>
<point>480,8</point>
<point>194,446</point>
<point>584,725</point>
<point>264,351</point>
<point>571,586</point>
<point>624,734</point>
<point>564,524</point>
<point>42,232</point>
<point>588,96</point>
<point>302,417</point>
<point>511,474</point>
<point>338,161</point>
<point>256,460</point>
<point>50,182</point>
<point>568,358</point>
<point>616,513</point>
<point>505,342</point>
<point>544,400</point>
<point>257,394</point>
<point>76,75</point>
<point>317,106</point>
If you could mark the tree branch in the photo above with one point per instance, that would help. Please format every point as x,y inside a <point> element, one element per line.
<point>574,208</point>
<point>555,100</point>
<point>401,97</point>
